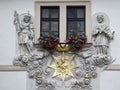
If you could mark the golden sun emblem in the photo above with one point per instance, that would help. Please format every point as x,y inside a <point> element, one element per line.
<point>63,66</point>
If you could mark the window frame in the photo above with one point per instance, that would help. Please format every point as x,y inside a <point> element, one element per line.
<point>76,19</point>
<point>63,20</point>
<point>49,19</point>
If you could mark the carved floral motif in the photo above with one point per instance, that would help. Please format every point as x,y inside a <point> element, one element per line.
<point>38,62</point>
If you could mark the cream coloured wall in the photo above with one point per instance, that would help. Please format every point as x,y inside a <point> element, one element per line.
<point>13,80</point>
<point>110,80</point>
<point>7,29</point>
<point>111,8</point>
<point>7,34</point>
<point>8,37</point>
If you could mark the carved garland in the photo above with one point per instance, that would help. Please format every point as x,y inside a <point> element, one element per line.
<point>78,68</point>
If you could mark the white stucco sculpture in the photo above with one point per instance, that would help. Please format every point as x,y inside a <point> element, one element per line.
<point>87,60</point>
<point>102,37</point>
<point>28,55</point>
<point>24,28</point>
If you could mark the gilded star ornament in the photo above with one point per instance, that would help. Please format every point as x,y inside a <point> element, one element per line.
<point>63,66</point>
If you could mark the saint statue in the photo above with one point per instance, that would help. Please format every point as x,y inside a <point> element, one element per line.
<point>102,36</point>
<point>24,28</point>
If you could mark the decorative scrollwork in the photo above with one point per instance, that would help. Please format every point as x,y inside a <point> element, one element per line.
<point>81,65</point>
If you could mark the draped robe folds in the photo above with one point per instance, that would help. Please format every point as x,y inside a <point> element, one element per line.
<point>25,34</point>
<point>102,37</point>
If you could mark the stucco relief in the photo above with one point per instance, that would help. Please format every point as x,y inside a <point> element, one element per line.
<point>87,60</point>
<point>102,36</point>
<point>24,28</point>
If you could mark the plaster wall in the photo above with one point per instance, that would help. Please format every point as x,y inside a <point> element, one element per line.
<point>8,39</point>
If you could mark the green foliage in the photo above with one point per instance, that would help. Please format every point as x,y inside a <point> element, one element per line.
<point>75,41</point>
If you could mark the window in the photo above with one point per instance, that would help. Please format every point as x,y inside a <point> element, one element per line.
<point>75,20</point>
<point>49,21</point>
<point>60,18</point>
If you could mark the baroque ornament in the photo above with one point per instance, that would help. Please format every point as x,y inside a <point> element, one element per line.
<point>102,37</point>
<point>63,66</point>
<point>77,66</point>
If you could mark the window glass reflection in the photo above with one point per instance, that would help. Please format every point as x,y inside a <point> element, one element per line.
<point>45,26</point>
<point>45,13</point>
<point>54,26</point>
<point>71,13</point>
<point>80,26</point>
<point>54,13</point>
<point>80,13</point>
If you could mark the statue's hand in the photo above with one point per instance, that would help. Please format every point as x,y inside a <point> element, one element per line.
<point>113,33</point>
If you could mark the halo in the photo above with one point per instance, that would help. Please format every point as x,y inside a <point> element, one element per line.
<point>21,17</point>
<point>94,20</point>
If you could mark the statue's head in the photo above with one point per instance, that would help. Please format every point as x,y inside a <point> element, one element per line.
<point>27,19</point>
<point>100,18</point>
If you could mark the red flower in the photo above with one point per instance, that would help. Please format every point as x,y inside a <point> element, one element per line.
<point>45,43</point>
<point>53,46</point>
<point>74,34</point>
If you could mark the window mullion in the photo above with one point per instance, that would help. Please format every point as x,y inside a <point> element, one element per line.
<point>62,25</point>
<point>50,22</point>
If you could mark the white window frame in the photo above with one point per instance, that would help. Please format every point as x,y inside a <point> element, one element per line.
<point>62,18</point>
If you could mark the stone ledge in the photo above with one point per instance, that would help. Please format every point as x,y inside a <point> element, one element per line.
<point>114,67</point>
<point>12,68</point>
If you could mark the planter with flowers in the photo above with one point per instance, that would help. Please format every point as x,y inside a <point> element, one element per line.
<point>48,42</point>
<point>75,41</point>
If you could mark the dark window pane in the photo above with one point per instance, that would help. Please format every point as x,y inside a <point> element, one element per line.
<point>69,34</point>
<point>45,26</point>
<point>80,13</point>
<point>49,20</point>
<point>71,26</point>
<point>45,13</point>
<point>54,33</point>
<point>44,33</point>
<point>80,33</point>
<point>75,20</point>
<point>80,26</point>
<point>54,13</point>
<point>54,26</point>
<point>71,13</point>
